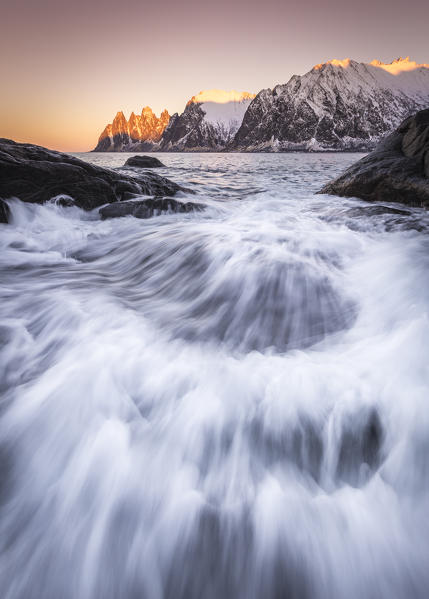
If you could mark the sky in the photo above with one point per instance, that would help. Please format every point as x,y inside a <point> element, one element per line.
<point>67,67</point>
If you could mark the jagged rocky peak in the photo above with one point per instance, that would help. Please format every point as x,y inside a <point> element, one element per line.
<point>134,127</point>
<point>209,122</point>
<point>120,131</point>
<point>119,123</point>
<point>139,133</point>
<point>337,105</point>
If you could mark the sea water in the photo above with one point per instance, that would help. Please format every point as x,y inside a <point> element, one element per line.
<point>224,404</point>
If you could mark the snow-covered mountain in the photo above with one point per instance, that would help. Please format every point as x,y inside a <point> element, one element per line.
<point>139,133</point>
<point>338,105</point>
<point>208,123</point>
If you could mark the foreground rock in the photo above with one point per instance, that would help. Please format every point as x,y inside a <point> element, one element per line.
<point>144,162</point>
<point>35,174</point>
<point>396,171</point>
<point>147,208</point>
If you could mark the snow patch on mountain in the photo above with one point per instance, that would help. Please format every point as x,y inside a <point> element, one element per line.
<point>208,123</point>
<point>399,65</point>
<point>220,96</point>
<point>227,116</point>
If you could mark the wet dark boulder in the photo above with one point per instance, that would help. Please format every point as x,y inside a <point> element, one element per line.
<point>144,162</point>
<point>148,207</point>
<point>34,174</point>
<point>4,212</point>
<point>396,171</point>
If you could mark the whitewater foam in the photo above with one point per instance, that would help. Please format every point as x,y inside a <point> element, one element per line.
<point>223,404</point>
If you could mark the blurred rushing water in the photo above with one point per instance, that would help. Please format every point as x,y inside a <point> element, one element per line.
<point>227,404</point>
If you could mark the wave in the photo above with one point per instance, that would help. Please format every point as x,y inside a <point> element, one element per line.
<point>223,404</point>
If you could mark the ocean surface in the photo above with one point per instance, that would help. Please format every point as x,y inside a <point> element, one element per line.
<point>226,404</point>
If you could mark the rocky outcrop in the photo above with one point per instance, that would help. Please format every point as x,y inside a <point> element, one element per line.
<point>35,174</point>
<point>138,134</point>
<point>396,171</point>
<point>339,105</point>
<point>208,123</point>
<point>149,207</point>
<point>144,162</point>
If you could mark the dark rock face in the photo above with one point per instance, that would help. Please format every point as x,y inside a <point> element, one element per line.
<point>35,174</point>
<point>198,129</point>
<point>148,208</point>
<point>189,131</point>
<point>144,162</point>
<point>396,171</point>
<point>415,142</point>
<point>4,212</point>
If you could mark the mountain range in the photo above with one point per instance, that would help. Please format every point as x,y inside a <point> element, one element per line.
<point>338,105</point>
<point>139,133</point>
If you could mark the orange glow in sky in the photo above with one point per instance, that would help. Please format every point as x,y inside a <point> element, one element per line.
<point>68,67</point>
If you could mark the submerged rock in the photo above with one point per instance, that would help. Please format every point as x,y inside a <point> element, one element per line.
<point>147,208</point>
<point>4,212</point>
<point>34,174</point>
<point>144,162</point>
<point>396,171</point>
<point>378,218</point>
<point>379,210</point>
